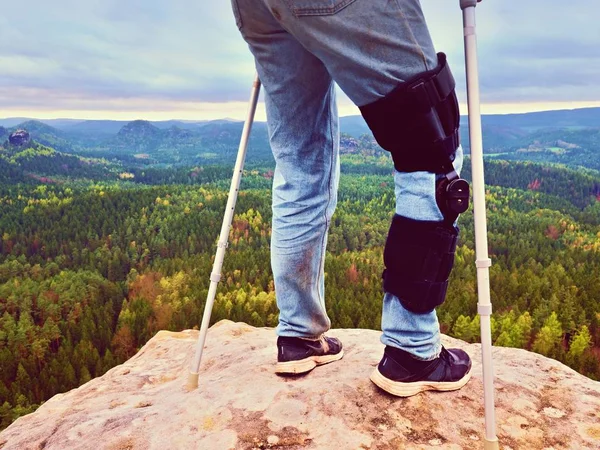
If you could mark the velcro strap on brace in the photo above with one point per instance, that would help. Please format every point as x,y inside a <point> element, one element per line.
<point>418,122</point>
<point>419,256</point>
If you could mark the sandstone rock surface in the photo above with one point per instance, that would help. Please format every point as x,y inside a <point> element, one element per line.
<point>242,404</point>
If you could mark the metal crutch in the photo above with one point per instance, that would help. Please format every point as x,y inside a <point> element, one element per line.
<point>215,275</point>
<point>483,262</point>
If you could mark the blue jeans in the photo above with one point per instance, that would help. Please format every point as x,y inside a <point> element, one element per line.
<point>301,48</point>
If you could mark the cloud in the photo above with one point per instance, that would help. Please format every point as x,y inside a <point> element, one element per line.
<point>532,51</point>
<point>107,54</point>
<point>186,50</point>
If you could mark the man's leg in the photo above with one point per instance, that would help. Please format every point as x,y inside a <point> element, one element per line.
<point>370,47</point>
<point>303,130</point>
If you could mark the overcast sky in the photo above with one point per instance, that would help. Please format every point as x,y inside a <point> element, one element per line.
<point>185,59</point>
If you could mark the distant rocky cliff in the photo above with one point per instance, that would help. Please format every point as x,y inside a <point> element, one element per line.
<point>242,404</point>
<point>19,138</point>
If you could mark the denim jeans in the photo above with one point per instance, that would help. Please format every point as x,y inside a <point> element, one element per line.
<point>301,47</point>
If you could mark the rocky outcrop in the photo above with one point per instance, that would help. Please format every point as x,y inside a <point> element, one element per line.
<point>139,128</point>
<point>242,404</point>
<point>140,136</point>
<point>19,138</point>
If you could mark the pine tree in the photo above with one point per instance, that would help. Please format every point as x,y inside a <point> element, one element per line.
<point>504,340</point>
<point>475,329</point>
<point>4,393</point>
<point>98,368</point>
<point>85,375</point>
<point>123,344</point>
<point>22,384</point>
<point>520,332</point>
<point>579,344</point>
<point>549,337</point>
<point>108,362</point>
<point>9,365</point>
<point>6,415</point>
<point>53,387</point>
<point>461,328</point>
<point>69,380</point>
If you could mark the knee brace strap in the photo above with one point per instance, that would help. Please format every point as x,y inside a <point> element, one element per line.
<point>419,256</point>
<point>418,121</point>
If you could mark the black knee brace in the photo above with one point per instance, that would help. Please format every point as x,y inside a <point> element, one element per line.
<point>418,257</point>
<point>418,123</point>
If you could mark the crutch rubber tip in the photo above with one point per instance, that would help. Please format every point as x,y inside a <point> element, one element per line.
<point>491,445</point>
<point>192,382</point>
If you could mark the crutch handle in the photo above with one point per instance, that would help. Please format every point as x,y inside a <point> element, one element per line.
<point>468,3</point>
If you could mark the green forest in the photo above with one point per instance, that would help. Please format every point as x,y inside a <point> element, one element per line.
<point>95,259</point>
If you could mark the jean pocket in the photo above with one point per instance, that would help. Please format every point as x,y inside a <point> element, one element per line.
<point>236,14</point>
<point>317,7</point>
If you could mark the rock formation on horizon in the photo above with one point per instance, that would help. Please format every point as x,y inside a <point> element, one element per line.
<point>242,404</point>
<point>19,138</point>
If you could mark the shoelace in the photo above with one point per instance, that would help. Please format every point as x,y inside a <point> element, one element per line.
<point>445,355</point>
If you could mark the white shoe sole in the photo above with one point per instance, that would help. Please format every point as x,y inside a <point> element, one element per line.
<point>408,389</point>
<point>306,364</point>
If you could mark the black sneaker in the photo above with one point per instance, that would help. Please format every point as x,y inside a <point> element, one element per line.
<point>298,355</point>
<point>399,373</point>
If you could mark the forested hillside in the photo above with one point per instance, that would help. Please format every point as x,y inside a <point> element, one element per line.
<point>92,264</point>
<point>568,137</point>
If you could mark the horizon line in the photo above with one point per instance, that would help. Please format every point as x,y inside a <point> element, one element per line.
<point>511,109</point>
